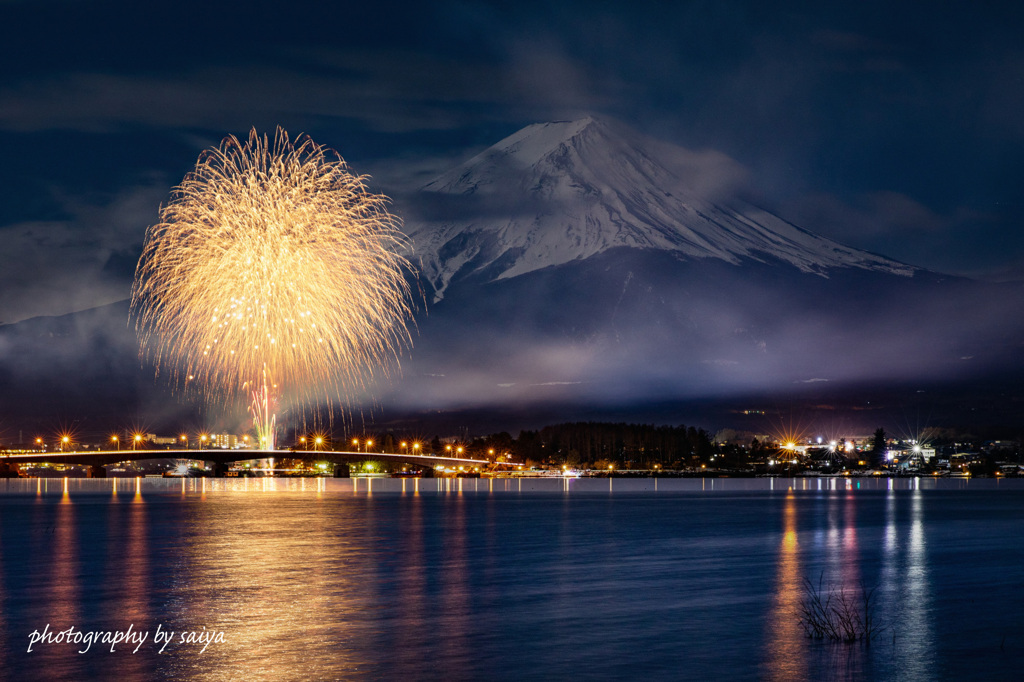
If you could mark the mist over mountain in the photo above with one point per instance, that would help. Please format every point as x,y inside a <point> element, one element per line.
<point>80,370</point>
<point>582,261</point>
<point>578,269</point>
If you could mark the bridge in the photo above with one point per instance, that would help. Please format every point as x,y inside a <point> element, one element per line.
<point>221,459</point>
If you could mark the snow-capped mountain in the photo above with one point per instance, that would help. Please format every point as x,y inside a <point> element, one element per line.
<point>580,260</point>
<point>582,264</point>
<point>566,191</point>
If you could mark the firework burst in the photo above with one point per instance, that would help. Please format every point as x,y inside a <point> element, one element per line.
<point>273,259</point>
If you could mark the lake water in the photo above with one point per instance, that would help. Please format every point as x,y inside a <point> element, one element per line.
<point>508,579</point>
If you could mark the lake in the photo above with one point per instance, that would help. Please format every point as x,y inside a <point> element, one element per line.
<point>506,579</point>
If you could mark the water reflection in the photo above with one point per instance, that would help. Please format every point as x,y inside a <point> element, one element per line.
<point>130,580</point>
<point>843,553</point>
<point>286,588</point>
<point>410,581</point>
<point>906,588</point>
<point>503,579</point>
<point>57,562</point>
<point>785,639</point>
<point>63,587</point>
<point>838,554</point>
<point>455,584</point>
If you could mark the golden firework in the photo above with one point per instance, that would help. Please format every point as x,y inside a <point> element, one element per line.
<point>272,257</point>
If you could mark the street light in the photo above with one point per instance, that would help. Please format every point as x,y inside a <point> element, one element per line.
<point>115,441</point>
<point>184,439</point>
<point>319,441</point>
<point>202,441</point>
<point>137,440</point>
<point>355,444</point>
<point>369,444</point>
<point>64,442</point>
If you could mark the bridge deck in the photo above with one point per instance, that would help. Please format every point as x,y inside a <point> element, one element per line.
<point>100,457</point>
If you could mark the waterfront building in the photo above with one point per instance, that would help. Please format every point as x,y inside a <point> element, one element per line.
<point>227,441</point>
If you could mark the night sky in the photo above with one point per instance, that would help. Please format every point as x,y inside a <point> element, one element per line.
<point>894,127</point>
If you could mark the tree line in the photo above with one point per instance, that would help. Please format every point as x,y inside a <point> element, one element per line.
<point>621,445</point>
<point>602,444</point>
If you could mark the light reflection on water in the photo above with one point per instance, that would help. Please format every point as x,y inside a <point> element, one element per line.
<point>906,577</point>
<point>785,638</point>
<point>509,578</point>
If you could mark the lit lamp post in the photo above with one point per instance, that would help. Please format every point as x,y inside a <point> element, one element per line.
<point>415,447</point>
<point>64,443</point>
<point>355,444</point>
<point>319,441</point>
<point>302,442</point>
<point>369,444</point>
<point>403,446</point>
<point>202,441</point>
<point>116,442</point>
<point>184,439</point>
<point>136,441</point>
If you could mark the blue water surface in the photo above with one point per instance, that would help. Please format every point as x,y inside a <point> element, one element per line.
<point>509,579</point>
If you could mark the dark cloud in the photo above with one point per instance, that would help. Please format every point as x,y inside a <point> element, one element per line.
<point>894,128</point>
<point>686,331</point>
<point>897,226</point>
<point>53,267</point>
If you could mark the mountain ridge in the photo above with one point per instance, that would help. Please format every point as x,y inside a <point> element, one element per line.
<point>573,189</point>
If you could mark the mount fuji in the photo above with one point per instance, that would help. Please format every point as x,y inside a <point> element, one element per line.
<point>574,189</point>
<point>579,267</point>
<point>581,260</point>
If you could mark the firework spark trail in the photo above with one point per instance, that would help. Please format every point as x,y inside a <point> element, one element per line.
<point>273,256</point>
<point>263,420</point>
